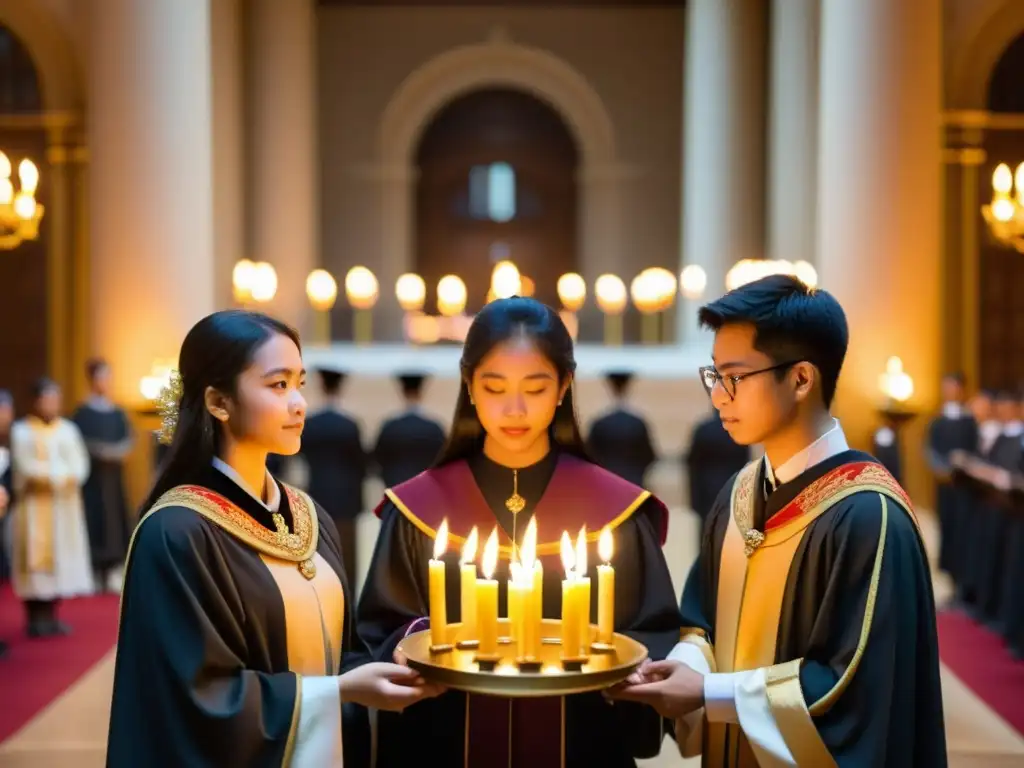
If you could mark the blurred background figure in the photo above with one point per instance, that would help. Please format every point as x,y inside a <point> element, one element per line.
<point>620,440</point>
<point>409,441</point>
<point>51,545</point>
<point>713,457</point>
<point>108,438</point>
<point>332,447</point>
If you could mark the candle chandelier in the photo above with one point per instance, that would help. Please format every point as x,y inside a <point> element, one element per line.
<point>19,211</point>
<point>1005,214</point>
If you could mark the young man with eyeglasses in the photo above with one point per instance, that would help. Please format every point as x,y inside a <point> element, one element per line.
<point>809,617</point>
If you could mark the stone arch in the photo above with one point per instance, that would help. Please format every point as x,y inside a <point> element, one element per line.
<point>51,50</point>
<point>500,63</point>
<point>972,65</point>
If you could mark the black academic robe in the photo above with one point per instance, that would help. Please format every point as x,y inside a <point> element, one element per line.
<point>333,449</point>
<point>991,535</point>
<point>621,443</point>
<point>396,595</point>
<point>713,459</point>
<point>214,631</point>
<point>946,435</point>
<point>407,445</point>
<point>856,619</point>
<point>107,436</point>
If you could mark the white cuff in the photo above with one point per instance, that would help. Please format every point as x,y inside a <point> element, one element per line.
<point>757,722</point>
<point>690,655</point>
<point>720,696</point>
<point>318,738</point>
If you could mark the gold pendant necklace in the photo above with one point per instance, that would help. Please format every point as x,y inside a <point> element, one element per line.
<point>515,503</point>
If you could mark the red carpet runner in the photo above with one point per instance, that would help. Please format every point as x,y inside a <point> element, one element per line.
<point>35,672</point>
<point>979,658</point>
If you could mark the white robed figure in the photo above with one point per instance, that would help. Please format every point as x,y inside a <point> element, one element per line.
<point>50,542</point>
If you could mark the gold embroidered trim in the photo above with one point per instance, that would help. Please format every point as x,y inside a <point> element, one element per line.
<point>545,548</point>
<point>297,547</point>
<point>789,711</point>
<point>743,508</point>
<point>825,703</point>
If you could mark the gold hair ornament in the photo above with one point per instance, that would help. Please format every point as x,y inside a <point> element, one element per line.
<point>168,404</point>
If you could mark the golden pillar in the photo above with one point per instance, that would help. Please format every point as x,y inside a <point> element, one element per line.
<point>58,261</point>
<point>81,323</point>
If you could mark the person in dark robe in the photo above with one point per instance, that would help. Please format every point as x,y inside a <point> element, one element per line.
<point>514,454</point>
<point>991,522</point>
<point>6,486</point>
<point>410,441</point>
<point>620,440</point>
<point>108,438</point>
<point>811,635</point>
<point>236,644</point>
<point>332,446</point>
<point>711,462</point>
<point>953,429</point>
<point>6,478</point>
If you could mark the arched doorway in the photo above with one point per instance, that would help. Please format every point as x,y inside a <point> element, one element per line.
<point>23,278</point>
<point>1001,272</point>
<point>496,180</point>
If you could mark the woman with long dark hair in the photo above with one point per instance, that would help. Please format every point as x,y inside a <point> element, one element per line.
<point>514,454</point>
<point>236,644</point>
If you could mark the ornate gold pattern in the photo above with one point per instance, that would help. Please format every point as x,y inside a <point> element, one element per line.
<point>743,509</point>
<point>515,503</point>
<point>298,547</point>
<point>752,539</point>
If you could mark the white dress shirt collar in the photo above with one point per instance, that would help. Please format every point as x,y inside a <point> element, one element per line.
<point>952,410</point>
<point>1013,428</point>
<point>273,502</point>
<point>825,447</point>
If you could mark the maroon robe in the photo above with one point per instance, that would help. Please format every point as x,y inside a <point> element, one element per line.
<point>539,732</point>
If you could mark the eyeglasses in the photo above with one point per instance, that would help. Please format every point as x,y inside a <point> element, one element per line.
<point>709,377</point>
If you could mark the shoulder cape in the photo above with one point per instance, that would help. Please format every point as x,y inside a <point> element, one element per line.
<point>579,492</point>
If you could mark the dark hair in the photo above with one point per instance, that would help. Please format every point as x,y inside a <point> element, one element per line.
<point>792,323</point>
<point>94,366</point>
<point>331,381</point>
<point>955,376</point>
<point>214,354</point>
<point>498,322</point>
<point>619,381</point>
<point>411,384</point>
<point>42,385</point>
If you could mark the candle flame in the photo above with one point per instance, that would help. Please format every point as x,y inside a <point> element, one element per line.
<point>605,547</point>
<point>581,553</point>
<point>516,570</point>
<point>568,556</point>
<point>441,540</point>
<point>528,552</point>
<point>490,558</point>
<point>469,548</point>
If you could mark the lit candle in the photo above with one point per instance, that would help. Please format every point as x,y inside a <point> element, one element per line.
<point>515,603</point>
<point>584,580</point>
<point>467,574</point>
<point>438,607</point>
<point>571,594</point>
<point>605,589</point>
<point>530,613</point>
<point>487,599</point>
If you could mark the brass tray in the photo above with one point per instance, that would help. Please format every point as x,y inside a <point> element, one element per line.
<point>459,668</point>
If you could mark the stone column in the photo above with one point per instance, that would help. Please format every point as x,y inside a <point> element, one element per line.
<point>793,130</point>
<point>81,299</point>
<point>151,181</point>
<point>58,261</point>
<point>283,179</point>
<point>723,142</point>
<point>879,182</point>
<point>228,145</point>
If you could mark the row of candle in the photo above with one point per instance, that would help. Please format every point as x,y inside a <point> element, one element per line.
<point>479,596</point>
